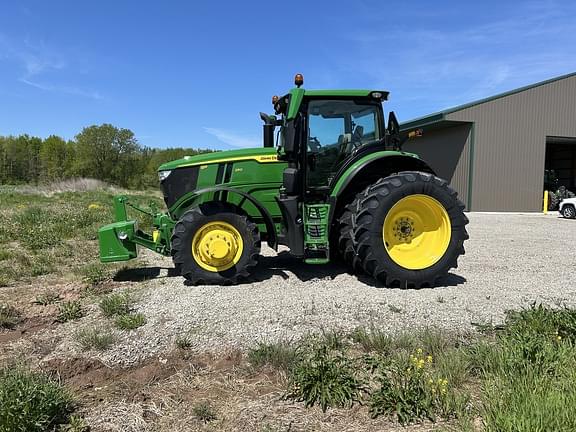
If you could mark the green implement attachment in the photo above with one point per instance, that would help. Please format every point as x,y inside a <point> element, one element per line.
<point>118,240</point>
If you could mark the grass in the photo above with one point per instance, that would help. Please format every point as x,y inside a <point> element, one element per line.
<point>69,311</point>
<point>520,376</point>
<point>48,233</point>
<point>32,401</point>
<point>116,304</point>
<point>95,338</point>
<point>94,273</point>
<point>184,342</point>
<point>204,412</point>
<point>130,321</point>
<point>47,298</point>
<point>372,340</point>
<point>9,316</point>
<point>280,355</point>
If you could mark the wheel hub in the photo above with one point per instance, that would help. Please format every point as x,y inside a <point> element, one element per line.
<point>217,246</point>
<point>404,228</point>
<point>416,232</point>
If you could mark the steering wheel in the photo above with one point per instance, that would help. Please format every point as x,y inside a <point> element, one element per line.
<point>314,144</point>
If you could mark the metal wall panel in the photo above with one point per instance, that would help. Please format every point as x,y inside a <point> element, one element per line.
<point>510,142</point>
<point>447,152</point>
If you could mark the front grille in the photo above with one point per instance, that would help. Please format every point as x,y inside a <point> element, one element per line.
<point>178,183</point>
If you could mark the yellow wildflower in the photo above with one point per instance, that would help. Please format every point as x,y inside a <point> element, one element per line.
<point>94,206</point>
<point>559,337</point>
<point>420,364</point>
<point>429,359</point>
<point>419,350</point>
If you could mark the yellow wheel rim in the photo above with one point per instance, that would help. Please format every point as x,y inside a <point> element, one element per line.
<point>416,232</point>
<point>217,246</point>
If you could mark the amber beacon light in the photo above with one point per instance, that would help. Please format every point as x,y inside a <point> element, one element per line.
<point>299,80</point>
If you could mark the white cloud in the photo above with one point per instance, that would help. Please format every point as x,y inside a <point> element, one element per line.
<point>63,89</point>
<point>37,60</point>
<point>437,65</point>
<point>233,139</point>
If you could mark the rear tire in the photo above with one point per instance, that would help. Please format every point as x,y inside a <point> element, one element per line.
<point>346,248</point>
<point>553,201</point>
<point>569,212</point>
<point>214,244</point>
<point>408,230</point>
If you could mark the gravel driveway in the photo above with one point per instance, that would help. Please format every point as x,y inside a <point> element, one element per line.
<point>511,261</point>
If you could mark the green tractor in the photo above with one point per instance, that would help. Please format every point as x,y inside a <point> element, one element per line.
<point>336,184</point>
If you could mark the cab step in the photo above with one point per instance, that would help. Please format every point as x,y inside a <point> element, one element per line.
<point>316,244</point>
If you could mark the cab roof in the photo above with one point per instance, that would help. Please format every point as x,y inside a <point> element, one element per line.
<point>351,92</point>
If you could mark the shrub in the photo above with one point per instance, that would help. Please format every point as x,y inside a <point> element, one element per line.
<point>97,338</point>
<point>94,273</point>
<point>70,310</point>
<point>75,424</point>
<point>130,321</point>
<point>41,265</point>
<point>31,401</point>
<point>326,378</point>
<point>184,342</point>
<point>281,355</point>
<point>9,316</point>
<point>116,304</point>
<point>204,411</point>
<point>409,389</point>
<point>47,297</point>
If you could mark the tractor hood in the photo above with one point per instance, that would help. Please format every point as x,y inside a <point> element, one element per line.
<point>260,154</point>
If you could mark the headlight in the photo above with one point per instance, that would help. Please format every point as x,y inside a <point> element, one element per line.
<point>163,175</point>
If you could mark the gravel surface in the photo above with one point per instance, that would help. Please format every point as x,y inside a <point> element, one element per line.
<point>512,260</point>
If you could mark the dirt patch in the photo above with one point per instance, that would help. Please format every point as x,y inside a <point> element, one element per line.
<point>26,327</point>
<point>94,380</point>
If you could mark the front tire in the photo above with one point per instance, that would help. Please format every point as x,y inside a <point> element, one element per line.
<point>409,229</point>
<point>569,212</point>
<point>214,244</point>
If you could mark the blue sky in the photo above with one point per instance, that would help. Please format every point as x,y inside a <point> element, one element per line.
<point>196,74</point>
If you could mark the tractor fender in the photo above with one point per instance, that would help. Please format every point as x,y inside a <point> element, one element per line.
<point>357,174</point>
<point>268,221</point>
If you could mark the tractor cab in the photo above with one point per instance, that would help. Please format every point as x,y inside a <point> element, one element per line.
<point>322,134</point>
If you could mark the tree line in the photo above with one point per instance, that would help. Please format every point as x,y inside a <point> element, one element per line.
<point>103,152</point>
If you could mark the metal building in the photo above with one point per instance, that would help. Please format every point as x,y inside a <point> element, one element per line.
<point>495,151</point>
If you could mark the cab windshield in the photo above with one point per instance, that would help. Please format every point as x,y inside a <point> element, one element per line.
<point>337,128</point>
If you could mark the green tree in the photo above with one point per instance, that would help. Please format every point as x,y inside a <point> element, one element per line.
<point>54,159</point>
<point>107,153</point>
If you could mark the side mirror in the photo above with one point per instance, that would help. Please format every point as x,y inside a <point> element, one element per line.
<point>393,138</point>
<point>393,126</point>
